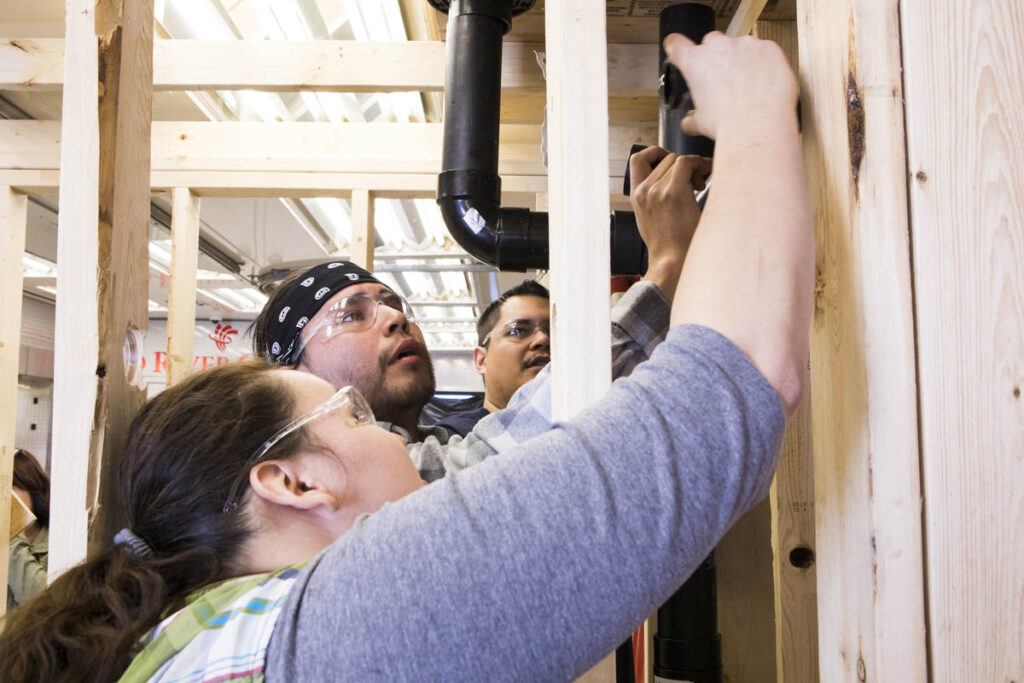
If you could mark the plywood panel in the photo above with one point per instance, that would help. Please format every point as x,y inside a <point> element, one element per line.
<point>964,75</point>
<point>864,400</point>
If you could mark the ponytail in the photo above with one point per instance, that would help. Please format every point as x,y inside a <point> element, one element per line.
<point>184,452</point>
<point>87,623</point>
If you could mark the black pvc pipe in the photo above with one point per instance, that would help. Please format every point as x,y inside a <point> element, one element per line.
<point>694,21</point>
<point>469,188</point>
<point>687,645</point>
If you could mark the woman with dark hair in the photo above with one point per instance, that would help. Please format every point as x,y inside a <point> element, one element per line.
<point>26,568</point>
<point>273,531</point>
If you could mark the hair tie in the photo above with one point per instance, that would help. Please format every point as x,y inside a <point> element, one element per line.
<point>136,545</point>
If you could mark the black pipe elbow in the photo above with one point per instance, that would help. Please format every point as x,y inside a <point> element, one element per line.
<point>469,188</point>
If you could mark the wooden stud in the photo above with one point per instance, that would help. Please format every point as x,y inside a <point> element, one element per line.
<point>792,505</point>
<point>181,294</point>
<point>101,251</point>
<point>745,18</point>
<point>963,70</point>
<point>361,245</point>
<point>13,218</point>
<point>864,401</point>
<point>577,90</point>
<point>747,617</point>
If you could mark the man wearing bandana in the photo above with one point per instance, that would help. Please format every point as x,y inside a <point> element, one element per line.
<point>337,321</point>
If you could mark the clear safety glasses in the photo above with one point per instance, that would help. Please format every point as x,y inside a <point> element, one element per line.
<point>359,411</point>
<point>520,329</point>
<point>354,313</point>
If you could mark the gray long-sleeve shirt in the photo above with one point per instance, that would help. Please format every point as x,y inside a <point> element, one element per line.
<point>532,565</point>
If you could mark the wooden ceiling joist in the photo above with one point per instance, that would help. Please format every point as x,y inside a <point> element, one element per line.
<point>342,66</point>
<point>356,148</point>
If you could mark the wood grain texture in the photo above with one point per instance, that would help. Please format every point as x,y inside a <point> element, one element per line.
<point>181,294</point>
<point>746,604</point>
<point>964,75</point>
<point>864,400</point>
<point>13,220</point>
<point>359,148</point>
<point>101,288</point>
<point>792,503</point>
<point>361,244</point>
<point>295,184</point>
<point>795,568</point>
<point>328,65</point>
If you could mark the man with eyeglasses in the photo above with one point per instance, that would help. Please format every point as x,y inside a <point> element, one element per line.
<point>514,345</point>
<point>337,321</point>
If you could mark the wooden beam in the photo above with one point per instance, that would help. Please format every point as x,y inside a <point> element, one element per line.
<point>746,604</point>
<point>792,503</point>
<point>181,288</point>
<point>870,587</point>
<point>967,203</point>
<point>363,148</point>
<point>294,184</point>
<point>745,18</point>
<point>13,219</point>
<point>331,65</point>
<point>418,18</point>
<point>363,233</point>
<point>101,248</point>
<point>795,568</point>
<point>577,92</point>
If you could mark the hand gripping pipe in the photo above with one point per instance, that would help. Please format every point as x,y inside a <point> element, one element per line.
<point>469,188</point>
<point>687,645</point>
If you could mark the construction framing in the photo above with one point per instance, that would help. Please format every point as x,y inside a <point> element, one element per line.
<point>892,546</point>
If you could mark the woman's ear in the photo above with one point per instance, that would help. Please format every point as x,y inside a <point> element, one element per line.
<point>293,483</point>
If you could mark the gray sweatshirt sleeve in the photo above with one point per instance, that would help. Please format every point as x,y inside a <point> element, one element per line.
<point>533,565</point>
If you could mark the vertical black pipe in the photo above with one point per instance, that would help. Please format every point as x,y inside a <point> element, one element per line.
<point>687,646</point>
<point>694,21</point>
<point>472,95</point>
<point>468,187</point>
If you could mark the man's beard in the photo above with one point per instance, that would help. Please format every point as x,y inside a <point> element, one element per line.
<point>391,403</point>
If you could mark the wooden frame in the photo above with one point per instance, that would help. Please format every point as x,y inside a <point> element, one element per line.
<point>181,304</point>
<point>13,217</point>
<point>336,65</point>
<point>101,291</point>
<point>864,404</point>
<point>856,528</point>
<point>966,194</point>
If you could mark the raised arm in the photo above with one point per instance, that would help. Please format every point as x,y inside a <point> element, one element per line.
<point>749,273</point>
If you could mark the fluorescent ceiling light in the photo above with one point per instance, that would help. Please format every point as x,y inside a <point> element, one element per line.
<point>159,254</point>
<point>34,266</point>
<point>201,18</point>
<point>216,299</point>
